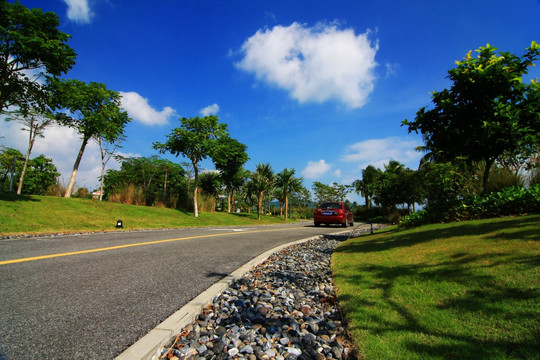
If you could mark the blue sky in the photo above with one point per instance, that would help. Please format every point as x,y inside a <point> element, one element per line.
<point>319,86</point>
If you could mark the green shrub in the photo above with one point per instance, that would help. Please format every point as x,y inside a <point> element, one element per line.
<point>362,213</point>
<point>510,201</point>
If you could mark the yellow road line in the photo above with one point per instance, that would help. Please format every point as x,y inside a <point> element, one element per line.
<point>50,256</point>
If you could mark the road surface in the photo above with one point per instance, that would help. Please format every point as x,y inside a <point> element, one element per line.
<point>92,296</point>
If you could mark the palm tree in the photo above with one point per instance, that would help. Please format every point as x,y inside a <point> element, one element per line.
<point>287,184</point>
<point>368,185</point>
<point>249,194</point>
<point>262,179</point>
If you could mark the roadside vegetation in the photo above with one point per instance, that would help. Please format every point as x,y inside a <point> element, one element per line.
<point>33,214</point>
<point>455,290</point>
<point>466,290</point>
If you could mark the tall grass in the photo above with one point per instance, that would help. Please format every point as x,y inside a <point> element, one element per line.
<point>129,194</point>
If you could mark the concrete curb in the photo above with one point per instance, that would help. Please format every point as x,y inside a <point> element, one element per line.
<point>149,346</point>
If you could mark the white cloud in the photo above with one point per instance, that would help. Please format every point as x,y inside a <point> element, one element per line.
<point>337,173</point>
<point>79,11</point>
<point>60,144</point>
<point>378,152</point>
<point>313,64</point>
<point>392,69</point>
<point>139,109</point>
<point>210,110</point>
<point>315,170</point>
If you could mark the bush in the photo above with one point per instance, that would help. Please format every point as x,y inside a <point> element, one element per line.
<point>82,192</point>
<point>364,214</point>
<point>510,201</point>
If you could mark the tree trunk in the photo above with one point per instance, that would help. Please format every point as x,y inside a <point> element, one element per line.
<point>76,168</point>
<point>260,205</point>
<point>196,184</point>
<point>26,159</point>
<point>485,177</point>
<point>165,182</point>
<point>32,139</point>
<point>286,207</point>
<point>101,182</point>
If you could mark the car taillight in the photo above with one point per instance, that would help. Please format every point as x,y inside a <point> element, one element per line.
<point>340,212</point>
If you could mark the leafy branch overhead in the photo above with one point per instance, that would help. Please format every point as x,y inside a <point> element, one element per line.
<point>31,45</point>
<point>488,110</point>
<point>92,110</point>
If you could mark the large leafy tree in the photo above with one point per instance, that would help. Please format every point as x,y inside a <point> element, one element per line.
<point>93,110</point>
<point>30,46</point>
<point>157,178</point>
<point>41,173</point>
<point>334,192</point>
<point>229,155</point>
<point>287,184</point>
<point>487,111</point>
<point>195,139</point>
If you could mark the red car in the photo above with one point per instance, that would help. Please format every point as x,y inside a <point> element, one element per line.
<point>333,213</point>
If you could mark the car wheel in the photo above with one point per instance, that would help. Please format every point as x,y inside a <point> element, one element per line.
<point>317,224</point>
<point>352,224</point>
<point>345,223</point>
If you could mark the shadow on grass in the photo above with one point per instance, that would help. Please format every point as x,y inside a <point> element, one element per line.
<point>15,197</point>
<point>486,300</point>
<point>461,288</point>
<point>402,238</point>
<point>245,215</point>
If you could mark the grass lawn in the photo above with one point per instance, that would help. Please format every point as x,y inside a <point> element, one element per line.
<point>466,290</point>
<point>48,214</point>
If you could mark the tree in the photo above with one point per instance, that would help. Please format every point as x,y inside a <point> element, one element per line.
<point>488,109</point>
<point>390,190</point>
<point>156,178</point>
<point>229,155</point>
<point>10,165</point>
<point>42,174</point>
<point>195,139</point>
<point>210,183</point>
<point>249,192</point>
<point>94,111</point>
<point>368,185</point>
<point>30,45</point>
<point>262,181</point>
<point>334,192</point>
<point>35,123</point>
<point>106,150</point>
<point>287,184</point>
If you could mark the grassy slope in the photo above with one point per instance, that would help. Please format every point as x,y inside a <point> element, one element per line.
<point>45,214</point>
<point>465,290</point>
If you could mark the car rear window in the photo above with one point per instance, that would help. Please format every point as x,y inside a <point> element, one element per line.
<point>330,205</point>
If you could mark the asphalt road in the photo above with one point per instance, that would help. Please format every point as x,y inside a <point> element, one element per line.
<point>92,296</point>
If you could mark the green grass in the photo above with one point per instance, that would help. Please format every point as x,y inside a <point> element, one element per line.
<point>465,290</point>
<point>47,214</point>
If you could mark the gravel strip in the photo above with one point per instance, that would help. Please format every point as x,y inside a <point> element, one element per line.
<point>284,308</point>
